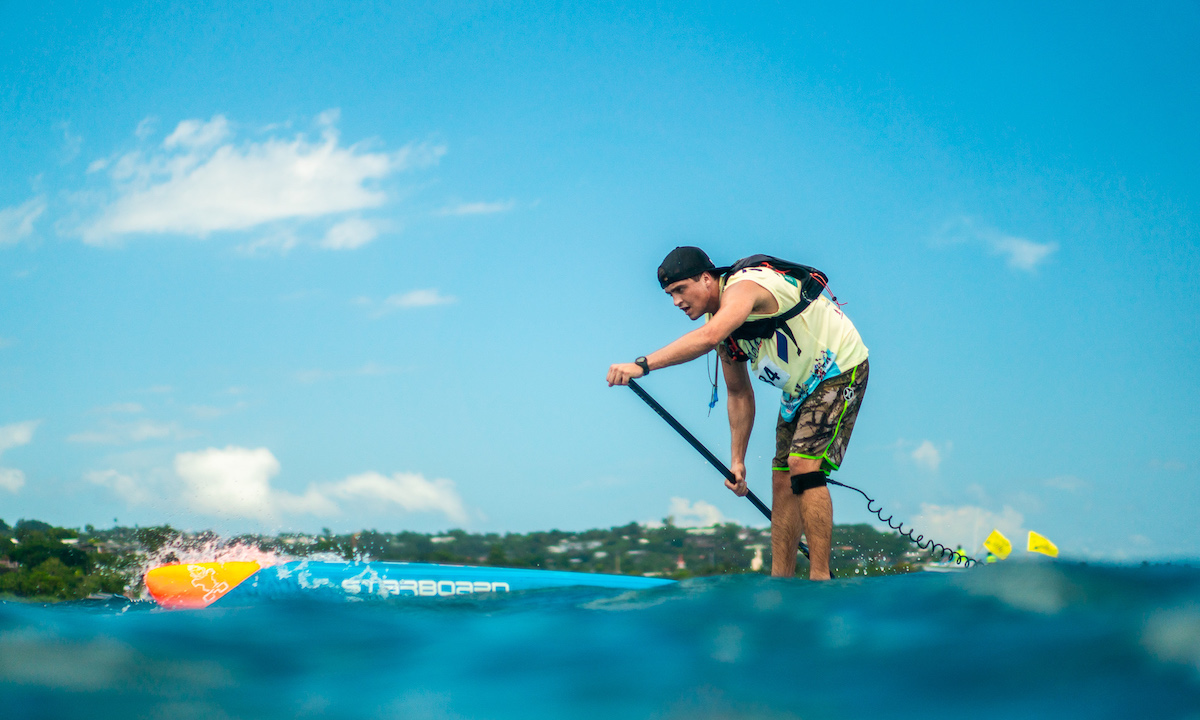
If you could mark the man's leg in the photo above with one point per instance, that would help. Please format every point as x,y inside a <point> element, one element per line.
<point>823,424</point>
<point>786,524</point>
<point>816,516</point>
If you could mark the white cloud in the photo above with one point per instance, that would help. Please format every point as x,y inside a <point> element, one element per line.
<point>12,479</point>
<point>418,298</point>
<point>927,456</point>
<point>17,434</point>
<point>114,433</point>
<point>11,436</point>
<point>125,486</point>
<point>478,208</point>
<point>146,127</point>
<point>195,134</point>
<point>410,491</point>
<point>350,234</point>
<point>16,222</point>
<point>1021,253</point>
<point>329,117</point>
<point>697,514</point>
<point>404,301</point>
<point>235,482</point>
<point>967,525</point>
<point>369,369</point>
<point>200,180</point>
<point>279,241</point>
<point>71,146</point>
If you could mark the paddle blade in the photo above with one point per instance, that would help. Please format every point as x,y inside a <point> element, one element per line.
<point>1040,544</point>
<point>196,585</point>
<point>997,544</point>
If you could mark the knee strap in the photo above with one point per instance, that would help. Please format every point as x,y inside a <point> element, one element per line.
<point>808,481</point>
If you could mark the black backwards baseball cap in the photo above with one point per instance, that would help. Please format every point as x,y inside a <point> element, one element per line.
<point>683,263</point>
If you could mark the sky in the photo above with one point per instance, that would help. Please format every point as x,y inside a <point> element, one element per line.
<point>298,266</point>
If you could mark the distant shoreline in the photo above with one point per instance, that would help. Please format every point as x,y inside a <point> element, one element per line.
<point>41,562</point>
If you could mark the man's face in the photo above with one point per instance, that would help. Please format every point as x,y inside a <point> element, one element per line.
<point>691,295</point>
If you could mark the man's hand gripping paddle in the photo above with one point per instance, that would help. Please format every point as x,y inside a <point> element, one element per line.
<point>712,459</point>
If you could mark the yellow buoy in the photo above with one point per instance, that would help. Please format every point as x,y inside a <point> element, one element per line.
<point>998,544</point>
<point>1040,544</point>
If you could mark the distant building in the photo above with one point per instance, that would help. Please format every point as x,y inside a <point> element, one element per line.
<point>756,562</point>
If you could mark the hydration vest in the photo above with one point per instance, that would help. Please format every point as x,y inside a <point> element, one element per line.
<point>811,281</point>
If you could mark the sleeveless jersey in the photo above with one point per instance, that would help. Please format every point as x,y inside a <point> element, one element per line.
<point>823,341</point>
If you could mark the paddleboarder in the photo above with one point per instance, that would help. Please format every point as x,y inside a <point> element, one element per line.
<point>768,317</point>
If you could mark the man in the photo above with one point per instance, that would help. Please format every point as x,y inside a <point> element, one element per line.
<point>775,319</point>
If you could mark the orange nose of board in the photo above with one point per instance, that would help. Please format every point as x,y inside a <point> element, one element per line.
<point>196,585</point>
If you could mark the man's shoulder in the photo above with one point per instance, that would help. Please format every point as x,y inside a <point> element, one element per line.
<point>757,275</point>
<point>749,280</point>
<point>750,272</point>
<point>768,279</point>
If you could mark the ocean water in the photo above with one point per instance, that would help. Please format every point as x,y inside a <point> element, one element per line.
<point>1036,640</point>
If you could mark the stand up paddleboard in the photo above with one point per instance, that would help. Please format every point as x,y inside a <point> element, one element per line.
<point>198,585</point>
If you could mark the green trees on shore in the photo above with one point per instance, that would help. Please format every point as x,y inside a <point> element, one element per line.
<point>40,561</point>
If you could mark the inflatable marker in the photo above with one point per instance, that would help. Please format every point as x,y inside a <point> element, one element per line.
<point>998,545</point>
<point>1039,543</point>
<point>198,585</point>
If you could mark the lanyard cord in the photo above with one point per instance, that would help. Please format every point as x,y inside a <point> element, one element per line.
<point>712,401</point>
<point>937,548</point>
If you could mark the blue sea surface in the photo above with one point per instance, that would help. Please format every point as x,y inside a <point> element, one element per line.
<point>1036,640</point>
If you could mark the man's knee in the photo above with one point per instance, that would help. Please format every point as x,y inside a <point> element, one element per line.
<point>797,465</point>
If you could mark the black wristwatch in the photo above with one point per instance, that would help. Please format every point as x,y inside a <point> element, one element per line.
<point>643,364</point>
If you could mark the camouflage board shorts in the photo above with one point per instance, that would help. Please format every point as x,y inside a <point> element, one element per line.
<point>822,425</point>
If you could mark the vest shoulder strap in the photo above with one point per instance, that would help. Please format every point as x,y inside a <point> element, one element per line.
<point>812,282</point>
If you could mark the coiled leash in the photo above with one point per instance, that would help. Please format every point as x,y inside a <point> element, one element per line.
<point>919,540</point>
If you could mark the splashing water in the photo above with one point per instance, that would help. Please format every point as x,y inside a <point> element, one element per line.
<point>201,548</point>
<point>1006,641</point>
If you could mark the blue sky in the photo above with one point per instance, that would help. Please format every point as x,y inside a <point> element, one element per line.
<point>299,267</point>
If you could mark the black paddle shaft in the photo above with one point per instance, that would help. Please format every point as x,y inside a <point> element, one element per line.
<point>712,459</point>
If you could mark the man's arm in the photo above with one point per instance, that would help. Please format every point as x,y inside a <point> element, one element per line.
<point>740,404</point>
<point>737,304</point>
